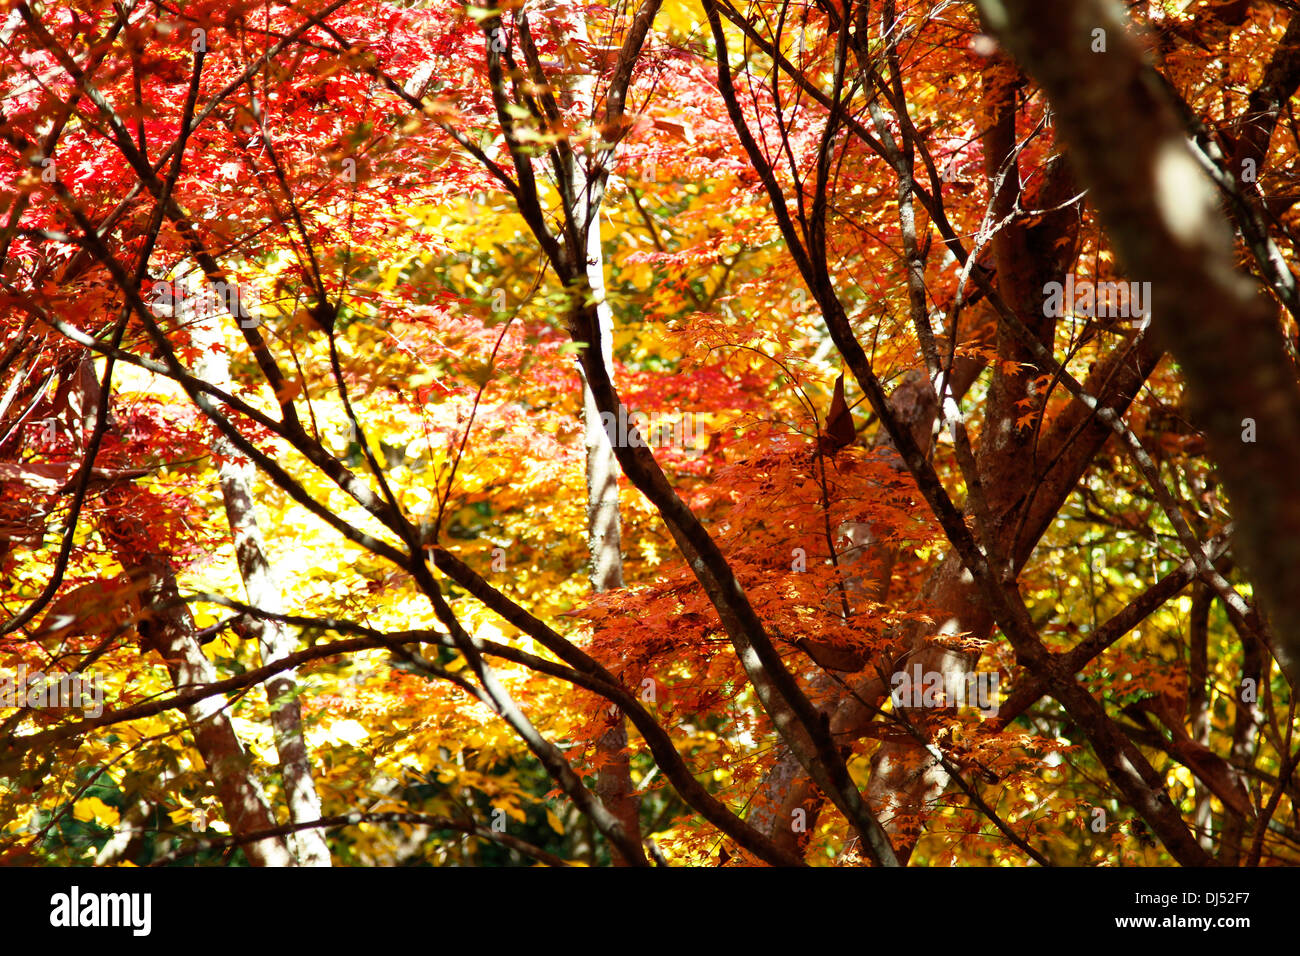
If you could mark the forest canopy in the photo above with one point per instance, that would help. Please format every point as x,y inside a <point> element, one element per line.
<point>668,433</point>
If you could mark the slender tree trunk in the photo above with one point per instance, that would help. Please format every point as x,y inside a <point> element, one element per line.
<point>1247,720</point>
<point>604,532</point>
<point>169,629</point>
<point>274,640</point>
<point>1198,702</point>
<point>604,537</point>
<point>129,835</point>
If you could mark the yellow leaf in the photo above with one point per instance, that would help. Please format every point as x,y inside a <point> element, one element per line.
<point>93,808</point>
<point>181,816</point>
<point>347,731</point>
<point>554,821</point>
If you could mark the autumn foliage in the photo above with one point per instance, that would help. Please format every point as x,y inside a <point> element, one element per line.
<point>585,433</point>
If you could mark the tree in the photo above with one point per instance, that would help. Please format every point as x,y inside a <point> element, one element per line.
<point>399,399</point>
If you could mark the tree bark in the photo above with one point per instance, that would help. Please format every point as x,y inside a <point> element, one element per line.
<point>263,591</point>
<point>604,532</point>
<point>169,629</point>
<point>1160,208</point>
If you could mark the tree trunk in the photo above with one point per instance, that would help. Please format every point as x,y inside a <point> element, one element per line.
<point>1160,208</point>
<point>274,641</point>
<point>604,532</point>
<point>169,629</point>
